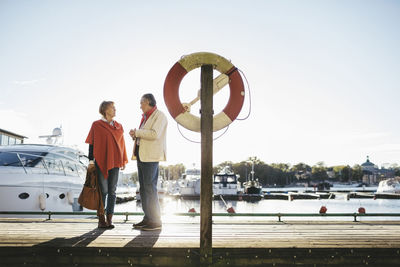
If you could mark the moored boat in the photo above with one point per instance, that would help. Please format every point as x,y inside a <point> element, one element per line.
<point>389,189</point>
<point>226,183</point>
<point>189,185</point>
<point>391,186</point>
<point>41,178</point>
<point>252,186</point>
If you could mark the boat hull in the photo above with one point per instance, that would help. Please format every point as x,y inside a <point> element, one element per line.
<point>56,199</point>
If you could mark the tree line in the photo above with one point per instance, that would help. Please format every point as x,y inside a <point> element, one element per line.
<point>279,174</point>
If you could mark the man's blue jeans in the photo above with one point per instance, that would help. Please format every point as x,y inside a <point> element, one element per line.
<point>108,188</point>
<point>148,177</point>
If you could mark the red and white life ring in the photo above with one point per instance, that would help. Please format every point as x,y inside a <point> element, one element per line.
<point>193,61</point>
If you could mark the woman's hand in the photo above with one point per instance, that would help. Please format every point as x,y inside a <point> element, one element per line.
<point>91,165</point>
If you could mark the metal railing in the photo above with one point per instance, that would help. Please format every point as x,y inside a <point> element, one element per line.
<point>194,214</point>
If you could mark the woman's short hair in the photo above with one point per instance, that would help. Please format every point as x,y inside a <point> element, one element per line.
<point>151,99</point>
<point>103,107</point>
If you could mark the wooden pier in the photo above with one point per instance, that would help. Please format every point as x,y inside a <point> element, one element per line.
<point>243,242</point>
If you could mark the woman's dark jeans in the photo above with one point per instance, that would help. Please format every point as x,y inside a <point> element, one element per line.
<point>108,188</point>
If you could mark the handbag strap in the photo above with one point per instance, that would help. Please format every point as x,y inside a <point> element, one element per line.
<point>100,210</point>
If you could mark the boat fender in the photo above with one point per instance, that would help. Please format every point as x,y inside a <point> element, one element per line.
<point>70,197</point>
<point>231,210</point>
<point>323,210</point>
<point>361,210</point>
<point>42,201</point>
<point>229,75</point>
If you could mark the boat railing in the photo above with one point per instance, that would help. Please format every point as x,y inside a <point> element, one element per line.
<point>355,215</point>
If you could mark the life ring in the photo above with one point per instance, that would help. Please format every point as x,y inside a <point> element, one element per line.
<point>193,61</point>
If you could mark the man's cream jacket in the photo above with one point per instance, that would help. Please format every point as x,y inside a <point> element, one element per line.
<point>153,135</point>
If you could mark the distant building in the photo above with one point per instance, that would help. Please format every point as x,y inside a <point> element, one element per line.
<point>9,138</point>
<point>370,172</point>
<point>373,175</point>
<point>368,165</point>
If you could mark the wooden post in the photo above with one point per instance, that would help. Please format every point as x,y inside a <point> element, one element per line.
<point>206,106</point>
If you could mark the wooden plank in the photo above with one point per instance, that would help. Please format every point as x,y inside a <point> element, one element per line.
<point>186,235</point>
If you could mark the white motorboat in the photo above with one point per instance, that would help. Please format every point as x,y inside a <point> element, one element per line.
<point>189,185</point>
<point>226,183</point>
<point>389,186</point>
<point>41,178</point>
<point>172,187</point>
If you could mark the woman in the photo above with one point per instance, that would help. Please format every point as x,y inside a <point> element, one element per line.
<point>107,153</point>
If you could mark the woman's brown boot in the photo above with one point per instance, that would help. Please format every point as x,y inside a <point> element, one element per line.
<point>102,222</point>
<point>109,221</point>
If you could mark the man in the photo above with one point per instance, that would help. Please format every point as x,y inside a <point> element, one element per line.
<point>149,150</point>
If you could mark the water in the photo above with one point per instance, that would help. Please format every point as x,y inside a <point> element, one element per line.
<point>338,205</point>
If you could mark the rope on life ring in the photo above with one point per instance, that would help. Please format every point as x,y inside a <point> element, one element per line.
<point>229,75</point>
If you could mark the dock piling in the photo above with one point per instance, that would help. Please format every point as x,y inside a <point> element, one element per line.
<point>206,123</point>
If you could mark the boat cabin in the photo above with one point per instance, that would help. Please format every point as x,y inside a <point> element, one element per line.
<point>225,179</point>
<point>225,184</point>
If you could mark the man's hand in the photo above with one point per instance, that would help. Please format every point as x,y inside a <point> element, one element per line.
<point>132,133</point>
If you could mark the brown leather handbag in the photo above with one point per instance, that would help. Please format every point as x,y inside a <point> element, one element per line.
<point>90,196</point>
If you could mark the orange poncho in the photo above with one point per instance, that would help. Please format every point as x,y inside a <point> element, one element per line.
<point>108,145</point>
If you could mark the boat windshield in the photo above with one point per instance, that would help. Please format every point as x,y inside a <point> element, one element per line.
<point>224,179</point>
<point>51,163</point>
<point>26,159</point>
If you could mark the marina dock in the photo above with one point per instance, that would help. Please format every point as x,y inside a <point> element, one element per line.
<point>245,242</point>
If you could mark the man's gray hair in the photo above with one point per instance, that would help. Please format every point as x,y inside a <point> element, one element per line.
<point>151,99</point>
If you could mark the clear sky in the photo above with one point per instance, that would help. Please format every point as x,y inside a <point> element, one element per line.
<point>324,75</point>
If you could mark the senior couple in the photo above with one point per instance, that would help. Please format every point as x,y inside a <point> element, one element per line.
<point>107,153</point>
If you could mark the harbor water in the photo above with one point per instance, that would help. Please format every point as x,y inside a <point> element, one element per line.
<point>341,204</point>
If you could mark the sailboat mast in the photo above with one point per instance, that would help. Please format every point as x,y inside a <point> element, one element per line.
<point>252,170</point>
